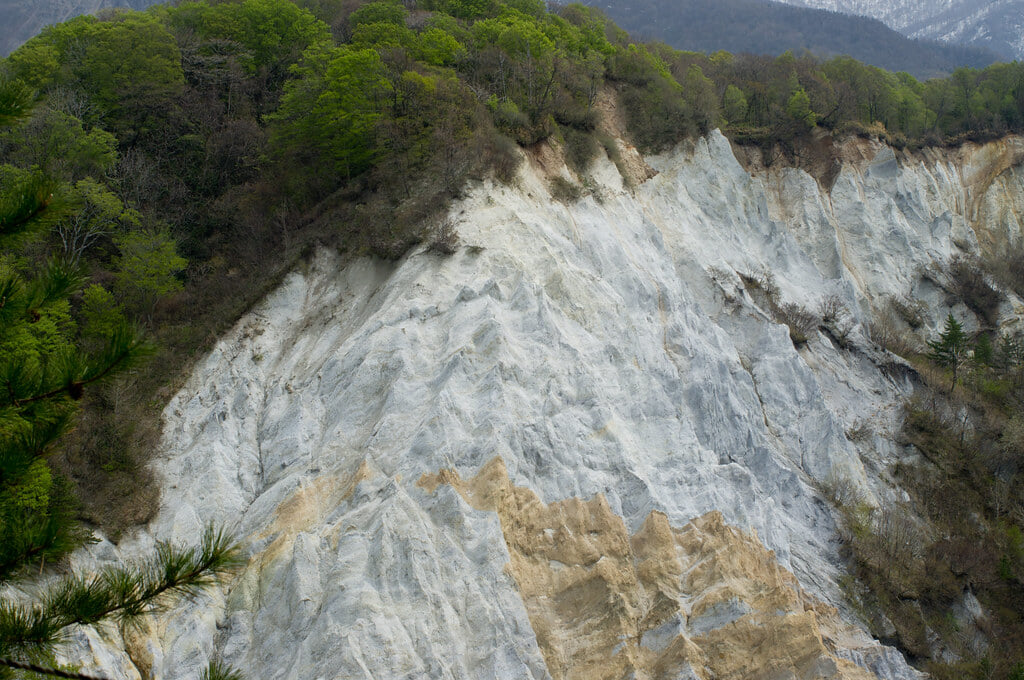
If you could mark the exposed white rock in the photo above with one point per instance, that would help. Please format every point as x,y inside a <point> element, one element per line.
<point>604,347</point>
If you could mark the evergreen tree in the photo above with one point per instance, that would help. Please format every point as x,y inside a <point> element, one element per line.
<point>43,374</point>
<point>1009,358</point>
<point>15,100</point>
<point>984,353</point>
<point>950,350</point>
<point>30,631</point>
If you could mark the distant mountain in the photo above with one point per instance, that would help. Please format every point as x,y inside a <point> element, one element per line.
<point>23,19</point>
<point>994,30</point>
<point>772,28</point>
<point>994,24</point>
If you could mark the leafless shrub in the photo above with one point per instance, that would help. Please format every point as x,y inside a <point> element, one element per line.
<point>580,149</point>
<point>911,311</point>
<point>719,274</point>
<point>77,233</point>
<point>885,332</point>
<point>842,492</point>
<point>446,238</point>
<point>565,191</point>
<point>136,177</point>
<point>972,286</point>
<point>898,538</point>
<point>832,309</point>
<point>860,431</point>
<point>888,542</point>
<point>763,282</point>
<point>1008,269</point>
<point>72,101</point>
<point>502,155</point>
<point>836,320</point>
<point>801,321</point>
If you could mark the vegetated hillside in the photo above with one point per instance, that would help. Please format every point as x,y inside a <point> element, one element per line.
<point>761,27</point>
<point>996,24</point>
<point>23,19</point>
<point>167,167</point>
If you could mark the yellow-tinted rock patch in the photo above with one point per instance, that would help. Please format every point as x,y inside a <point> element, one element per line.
<point>706,599</point>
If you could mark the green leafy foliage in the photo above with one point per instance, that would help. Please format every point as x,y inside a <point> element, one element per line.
<point>16,99</point>
<point>42,376</point>
<point>798,108</point>
<point>331,111</point>
<point>219,671</point>
<point>273,33</point>
<point>26,196</point>
<point>129,66</point>
<point>146,268</point>
<point>187,156</point>
<point>60,144</point>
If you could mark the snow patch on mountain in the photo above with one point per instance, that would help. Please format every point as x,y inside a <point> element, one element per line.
<point>996,24</point>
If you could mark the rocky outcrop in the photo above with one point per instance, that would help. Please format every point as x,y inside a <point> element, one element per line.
<point>616,357</point>
<point>704,601</point>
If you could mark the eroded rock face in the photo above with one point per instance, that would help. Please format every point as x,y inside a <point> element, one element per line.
<point>704,601</point>
<point>610,355</point>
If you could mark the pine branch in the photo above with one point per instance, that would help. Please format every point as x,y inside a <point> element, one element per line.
<point>16,100</point>
<point>219,671</point>
<point>25,201</point>
<point>124,348</point>
<point>57,281</point>
<point>21,666</point>
<point>122,593</point>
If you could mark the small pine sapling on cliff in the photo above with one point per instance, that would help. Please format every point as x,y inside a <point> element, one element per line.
<point>950,350</point>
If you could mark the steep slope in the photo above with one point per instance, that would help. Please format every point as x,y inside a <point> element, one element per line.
<point>761,27</point>
<point>995,25</point>
<point>609,354</point>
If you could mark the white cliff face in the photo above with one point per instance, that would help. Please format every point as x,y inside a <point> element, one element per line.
<point>607,352</point>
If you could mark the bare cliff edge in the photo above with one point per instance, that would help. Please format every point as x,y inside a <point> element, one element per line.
<point>579,447</point>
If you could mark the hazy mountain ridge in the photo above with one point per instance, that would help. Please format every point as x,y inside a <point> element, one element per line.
<point>762,27</point>
<point>997,25</point>
<point>756,26</point>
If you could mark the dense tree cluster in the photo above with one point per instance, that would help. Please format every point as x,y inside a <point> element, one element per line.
<point>769,99</point>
